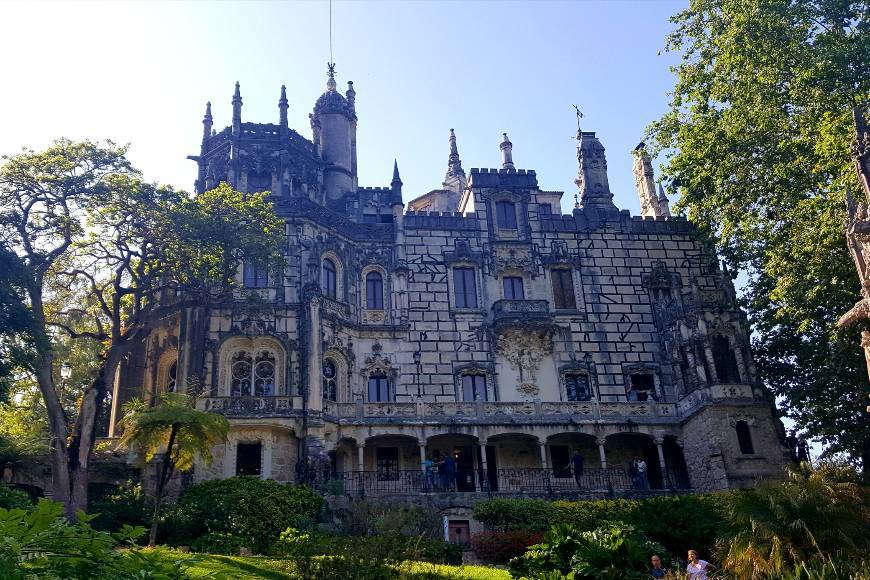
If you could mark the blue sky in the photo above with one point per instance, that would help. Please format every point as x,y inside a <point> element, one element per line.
<point>141,73</point>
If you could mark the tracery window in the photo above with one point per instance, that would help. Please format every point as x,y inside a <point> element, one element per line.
<point>379,388</point>
<point>577,387</point>
<point>252,375</point>
<point>374,291</point>
<point>465,287</point>
<point>473,387</point>
<point>563,289</point>
<point>172,377</point>
<point>506,215</point>
<point>329,278</point>
<point>330,381</point>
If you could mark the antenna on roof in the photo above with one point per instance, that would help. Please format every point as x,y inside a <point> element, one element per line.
<point>330,31</point>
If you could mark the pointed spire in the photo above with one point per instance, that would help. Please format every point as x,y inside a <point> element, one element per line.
<point>237,110</point>
<point>507,158</point>
<point>396,172</point>
<point>207,122</point>
<point>644,180</point>
<point>454,164</point>
<point>396,184</point>
<point>282,109</point>
<point>664,206</point>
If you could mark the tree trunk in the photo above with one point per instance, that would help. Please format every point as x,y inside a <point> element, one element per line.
<point>166,467</point>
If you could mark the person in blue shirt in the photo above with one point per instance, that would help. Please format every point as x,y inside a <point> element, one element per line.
<point>657,570</point>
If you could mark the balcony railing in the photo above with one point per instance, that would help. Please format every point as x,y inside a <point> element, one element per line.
<point>611,481</point>
<point>502,308</point>
<point>280,406</point>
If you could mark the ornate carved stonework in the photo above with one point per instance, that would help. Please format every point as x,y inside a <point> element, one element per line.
<point>524,351</point>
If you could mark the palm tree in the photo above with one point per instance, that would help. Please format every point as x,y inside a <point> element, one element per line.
<point>178,431</point>
<point>814,514</point>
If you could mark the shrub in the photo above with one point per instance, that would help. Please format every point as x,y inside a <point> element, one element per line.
<point>499,547</point>
<point>253,510</point>
<point>616,552</point>
<point>365,518</point>
<point>11,498</point>
<point>115,506</point>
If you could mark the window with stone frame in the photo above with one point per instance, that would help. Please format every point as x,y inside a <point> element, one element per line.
<point>256,275</point>
<point>249,458</point>
<point>513,288</point>
<point>379,388</point>
<point>474,387</point>
<point>374,291</point>
<point>506,215</point>
<point>744,438</point>
<point>562,281</point>
<point>330,380</point>
<point>465,287</point>
<point>641,387</point>
<point>252,374</point>
<point>724,360</point>
<point>329,278</point>
<point>578,387</point>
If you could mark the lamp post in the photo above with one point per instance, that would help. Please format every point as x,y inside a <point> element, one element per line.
<point>419,366</point>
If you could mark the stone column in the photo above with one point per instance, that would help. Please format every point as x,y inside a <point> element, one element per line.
<point>266,472</point>
<point>422,456</point>
<point>543,446</point>
<point>315,385</point>
<point>230,457</point>
<point>601,456</point>
<point>659,441</point>
<point>484,468</point>
<point>360,457</point>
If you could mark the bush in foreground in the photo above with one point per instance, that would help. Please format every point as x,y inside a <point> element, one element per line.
<point>254,511</point>
<point>499,547</point>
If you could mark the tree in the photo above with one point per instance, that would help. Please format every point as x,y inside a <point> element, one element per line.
<point>757,143</point>
<point>107,256</point>
<point>17,334</point>
<point>176,430</point>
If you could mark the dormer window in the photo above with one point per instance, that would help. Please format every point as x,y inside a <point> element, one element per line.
<point>506,215</point>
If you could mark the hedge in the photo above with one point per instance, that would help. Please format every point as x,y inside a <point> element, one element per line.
<point>677,522</point>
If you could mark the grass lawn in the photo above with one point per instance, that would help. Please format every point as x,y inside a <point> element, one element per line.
<point>250,567</point>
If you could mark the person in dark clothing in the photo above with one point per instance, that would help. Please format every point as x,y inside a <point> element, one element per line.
<point>450,472</point>
<point>657,570</point>
<point>577,466</point>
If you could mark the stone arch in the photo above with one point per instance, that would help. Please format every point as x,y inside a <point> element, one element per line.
<point>624,447</point>
<point>342,375</point>
<point>167,372</point>
<point>251,344</point>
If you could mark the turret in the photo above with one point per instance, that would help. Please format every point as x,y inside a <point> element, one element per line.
<point>333,124</point>
<point>237,111</point>
<point>207,123</point>
<point>396,183</point>
<point>644,179</point>
<point>592,173</point>
<point>282,112</point>
<point>664,206</point>
<point>507,157</point>
<point>455,179</point>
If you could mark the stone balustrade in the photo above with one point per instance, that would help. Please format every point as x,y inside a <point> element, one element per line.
<point>281,406</point>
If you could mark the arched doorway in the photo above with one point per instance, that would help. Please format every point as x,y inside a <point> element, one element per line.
<point>455,461</point>
<point>636,456</point>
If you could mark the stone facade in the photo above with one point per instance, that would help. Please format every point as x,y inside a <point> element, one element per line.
<point>483,324</point>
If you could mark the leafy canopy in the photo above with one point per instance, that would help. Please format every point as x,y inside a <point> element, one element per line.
<point>757,142</point>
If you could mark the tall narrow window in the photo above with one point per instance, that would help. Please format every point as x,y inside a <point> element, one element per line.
<point>172,377</point>
<point>330,385</point>
<point>473,387</point>
<point>374,291</point>
<point>264,375</point>
<point>513,288</point>
<point>563,289</point>
<point>577,387</point>
<point>240,369</point>
<point>379,388</point>
<point>744,438</point>
<point>724,360</point>
<point>506,215</point>
<point>255,276</point>
<point>465,286</point>
<point>328,278</point>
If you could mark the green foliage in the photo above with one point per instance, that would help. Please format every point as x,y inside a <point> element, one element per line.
<point>253,509</point>
<point>612,552</point>
<point>11,498</point>
<point>363,517</point>
<point>814,514</point>
<point>499,547</point>
<point>757,142</point>
<point>677,522</point>
<point>120,505</point>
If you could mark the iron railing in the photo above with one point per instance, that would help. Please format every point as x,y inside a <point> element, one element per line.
<point>613,481</point>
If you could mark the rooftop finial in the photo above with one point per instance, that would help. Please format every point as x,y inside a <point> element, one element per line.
<point>351,95</point>
<point>507,158</point>
<point>330,71</point>
<point>207,122</point>
<point>282,109</point>
<point>396,184</point>
<point>454,164</point>
<point>579,116</point>
<point>396,172</point>
<point>664,206</point>
<point>237,110</point>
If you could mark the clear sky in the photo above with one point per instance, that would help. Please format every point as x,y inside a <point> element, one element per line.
<point>142,72</point>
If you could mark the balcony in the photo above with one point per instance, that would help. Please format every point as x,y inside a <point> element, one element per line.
<point>251,406</point>
<point>521,313</point>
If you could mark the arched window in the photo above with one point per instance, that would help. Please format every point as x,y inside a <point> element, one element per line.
<point>252,376</point>
<point>374,291</point>
<point>379,388</point>
<point>330,381</point>
<point>578,387</point>
<point>724,360</point>
<point>172,377</point>
<point>744,438</point>
<point>506,215</point>
<point>328,278</point>
<point>473,387</point>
